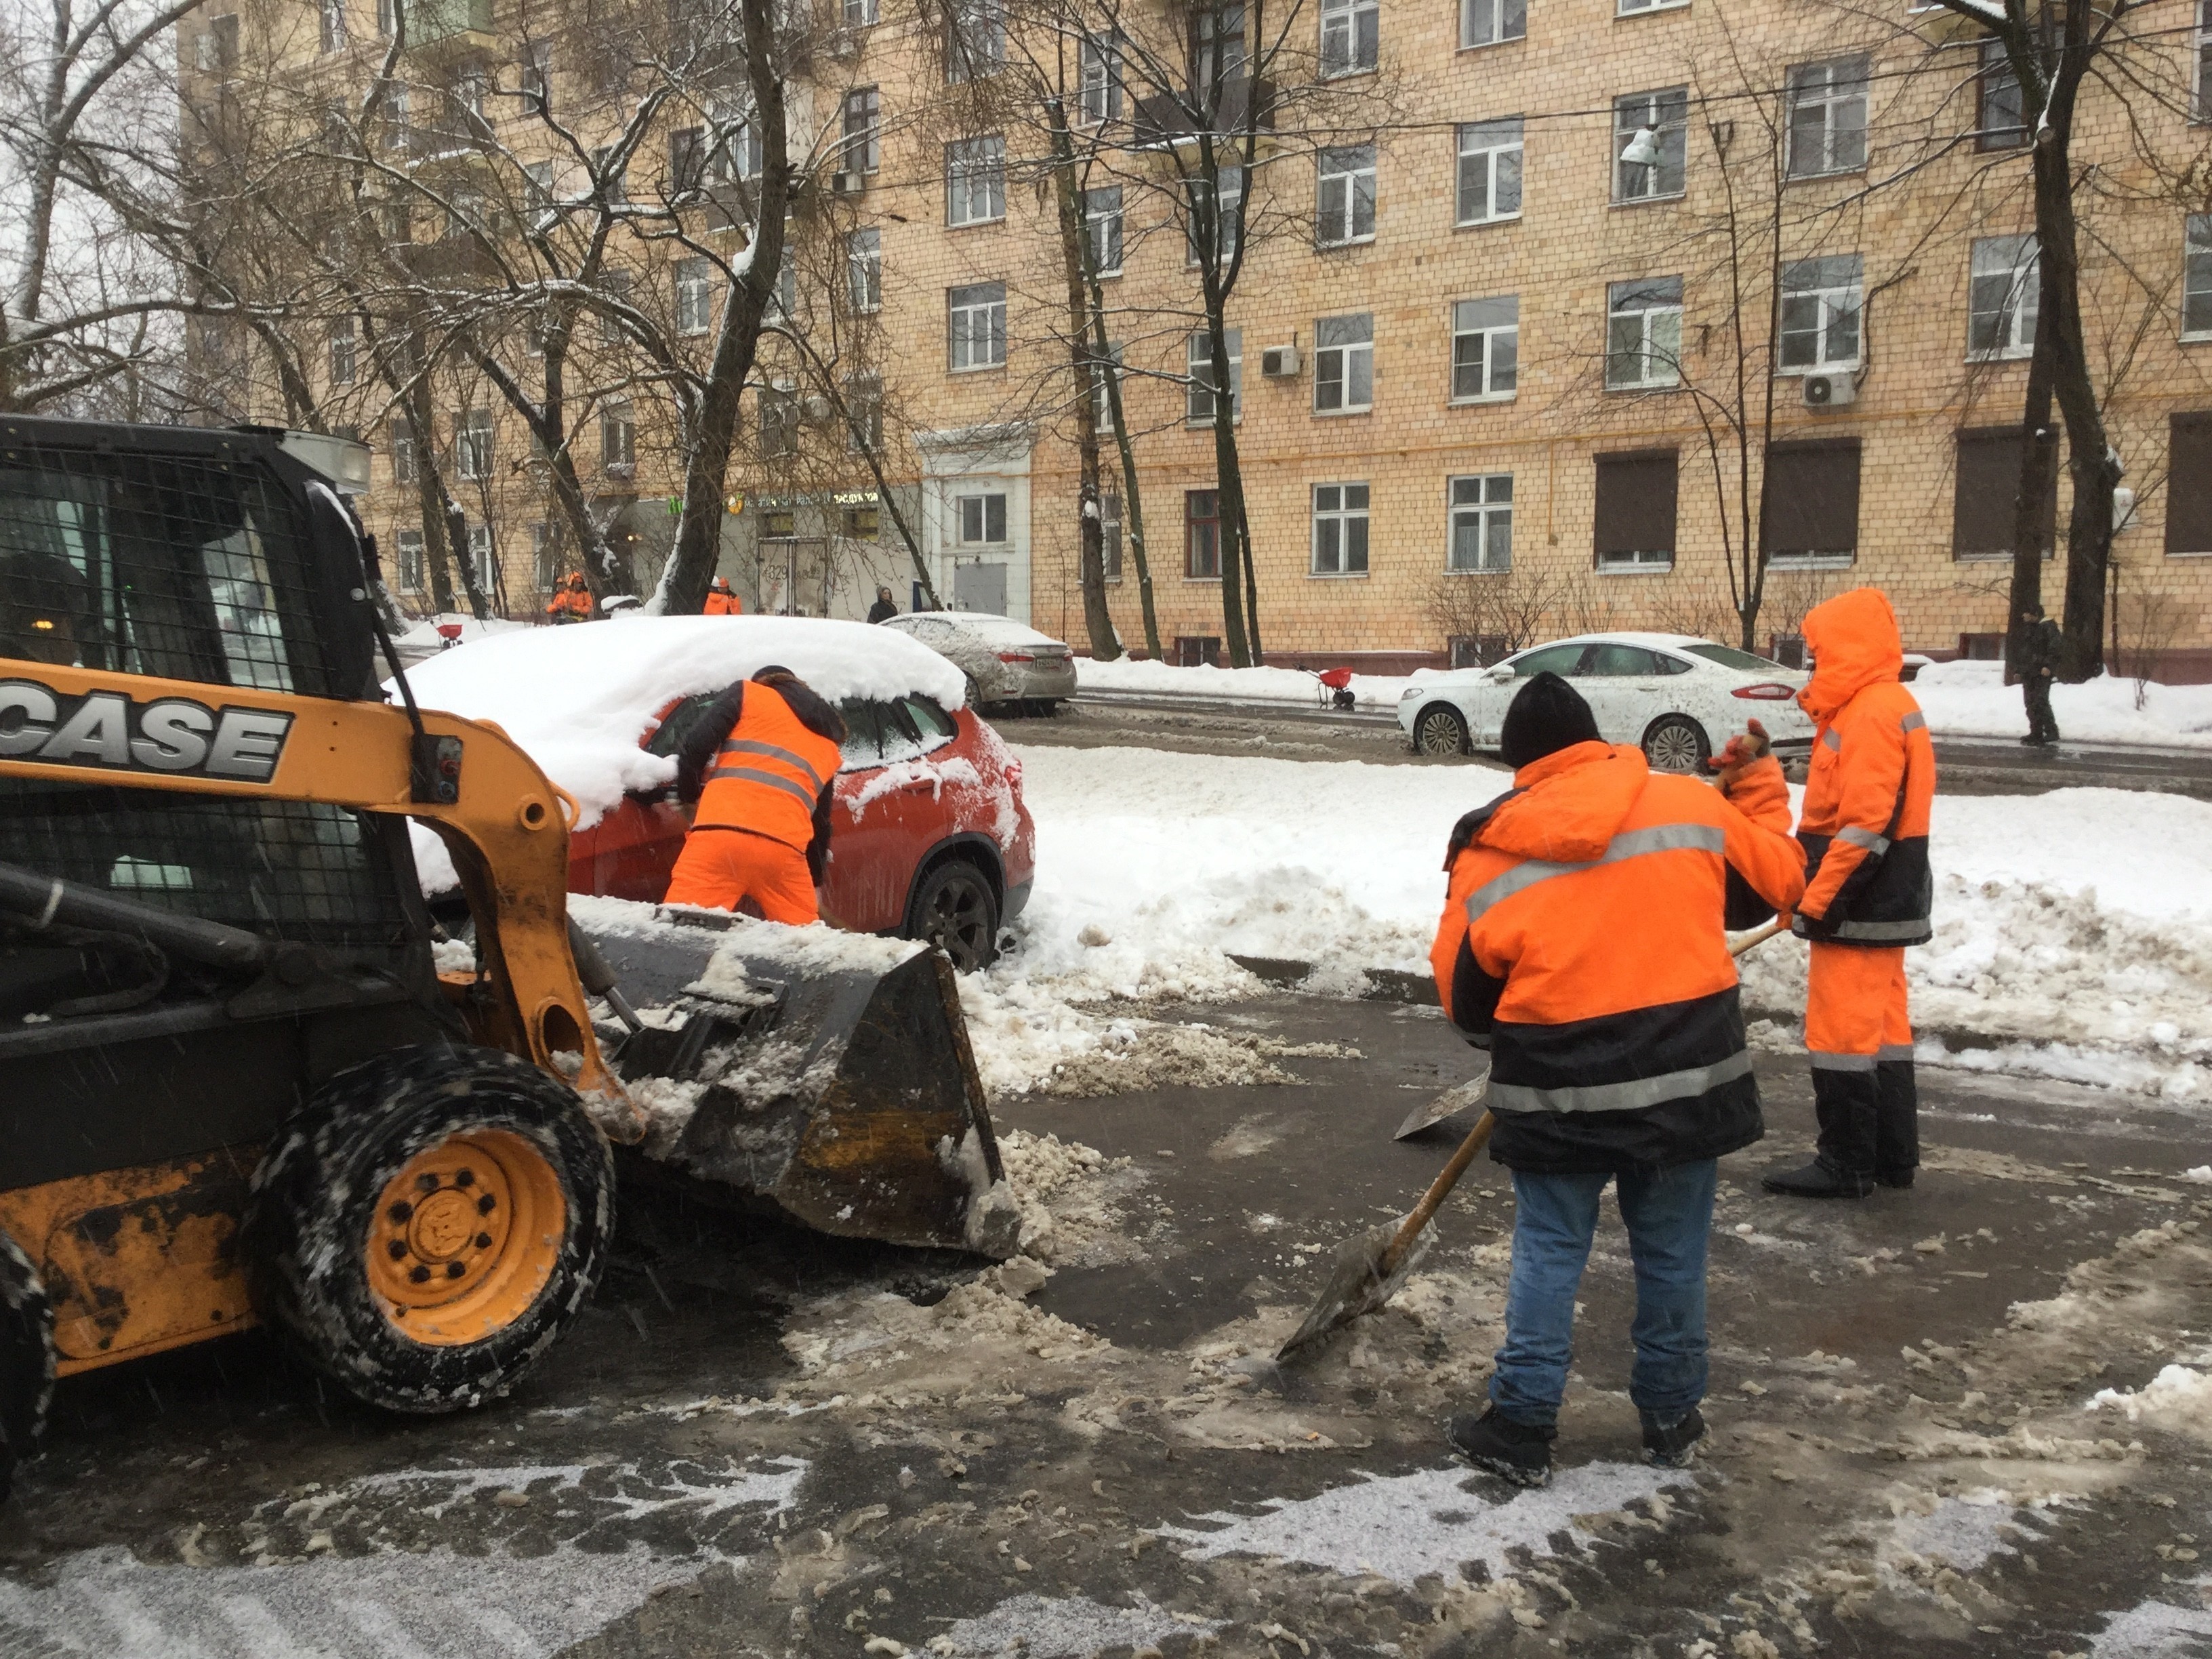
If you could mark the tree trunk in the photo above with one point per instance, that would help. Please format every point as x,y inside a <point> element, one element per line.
<point>1133,503</point>
<point>1097,620</point>
<point>2038,464</point>
<point>430,499</point>
<point>606,565</point>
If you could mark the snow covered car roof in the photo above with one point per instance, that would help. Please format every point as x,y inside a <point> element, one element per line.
<point>988,624</point>
<point>578,698</point>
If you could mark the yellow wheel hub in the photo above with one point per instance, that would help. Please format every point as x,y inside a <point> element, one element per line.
<point>465,1237</point>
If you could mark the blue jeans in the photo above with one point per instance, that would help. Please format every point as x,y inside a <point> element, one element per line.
<point>1668,1214</point>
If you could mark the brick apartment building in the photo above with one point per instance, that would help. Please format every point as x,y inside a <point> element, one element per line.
<point>1483,359</point>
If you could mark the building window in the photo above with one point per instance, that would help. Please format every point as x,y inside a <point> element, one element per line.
<point>545,565</point>
<point>976,44</point>
<point>1102,222</point>
<point>982,519</point>
<point>1486,23</point>
<point>1820,301</point>
<point>2000,114</point>
<point>687,162</point>
<point>2202,103</point>
<point>334,25</point>
<point>410,561</point>
<point>784,305</point>
<point>1104,372</point>
<point>864,269</point>
<point>1486,349</point>
<point>1350,36</point>
<point>2002,298</point>
<point>695,297</point>
<point>2188,483</point>
<point>978,326</point>
<point>1481,523</point>
<point>1340,530</point>
<point>537,195</point>
<point>1201,534</point>
<point>473,443</point>
<point>1632,8</point>
<point>863,413</point>
<point>617,436</point>
<point>1230,197</point>
<point>1203,383</point>
<point>1643,334</point>
<point>1666,115</point>
<point>403,453</point>
<point>779,420</point>
<point>1633,526</point>
<point>862,150</point>
<point>535,80</point>
<point>616,286</point>
<point>737,156</point>
<point>1110,533</point>
<point>480,556</point>
<point>781,524</point>
<point>342,352</point>
<point>861,14</point>
<point>1984,509</point>
<point>1827,118</point>
<point>216,50</point>
<point>975,181</point>
<point>1489,172</point>
<point>1344,203</point>
<point>2197,275</point>
<point>864,524</point>
<point>1343,364</point>
<point>1808,515</point>
<point>1102,81</point>
<point>1217,53</point>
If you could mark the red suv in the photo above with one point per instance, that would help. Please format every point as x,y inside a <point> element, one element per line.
<point>930,838</point>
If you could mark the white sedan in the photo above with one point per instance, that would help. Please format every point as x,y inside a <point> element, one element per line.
<point>1677,697</point>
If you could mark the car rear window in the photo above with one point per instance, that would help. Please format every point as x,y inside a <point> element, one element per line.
<point>1728,657</point>
<point>1612,661</point>
<point>933,722</point>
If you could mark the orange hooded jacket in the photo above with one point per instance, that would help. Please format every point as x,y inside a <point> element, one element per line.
<point>1583,942</point>
<point>1865,824</point>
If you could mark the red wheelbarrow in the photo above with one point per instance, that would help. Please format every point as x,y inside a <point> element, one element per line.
<point>1336,688</point>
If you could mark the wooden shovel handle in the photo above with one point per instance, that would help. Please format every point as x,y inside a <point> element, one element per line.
<point>1439,1190</point>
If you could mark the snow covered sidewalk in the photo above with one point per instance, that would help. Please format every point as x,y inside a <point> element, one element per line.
<point>2073,930</point>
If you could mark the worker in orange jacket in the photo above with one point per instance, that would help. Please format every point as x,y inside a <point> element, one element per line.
<point>571,601</point>
<point>761,762</point>
<point>1867,895</point>
<point>1583,942</point>
<point>722,599</point>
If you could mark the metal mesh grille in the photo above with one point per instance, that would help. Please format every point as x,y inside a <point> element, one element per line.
<point>152,564</point>
<point>294,870</point>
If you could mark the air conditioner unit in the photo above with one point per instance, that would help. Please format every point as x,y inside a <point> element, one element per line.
<point>1829,391</point>
<point>847,184</point>
<point>1279,362</point>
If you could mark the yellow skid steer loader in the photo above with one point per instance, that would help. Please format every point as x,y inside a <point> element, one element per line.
<point>234,1085</point>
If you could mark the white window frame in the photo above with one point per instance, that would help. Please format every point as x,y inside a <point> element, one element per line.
<point>2196,272</point>
<point>472,445</point>
<point>978,510</point>
<point>618,434</point>
<point>1102,95</point>
<point>1837,88</point>
<point>1342,364</point>
<point>1647,561</point>
<point>335,36</point>
<point>1491,22</point>
<point>1109,534</point>
<point>779,420</point>
<point>1492,148</point>
<point>1822,285</point>
<point>480,555</point>
<point>864,141</point>
<point>987,307</point>
<point>861,14</point>
<point>1201,402</point>
<point>1666,110</point>
<point>976,48</point>
<point>1341,172</point>
<point>1102,222</point>
<point>863,413</point>
<point>1351,38</point>
<point>1333,510</point>
<point>1639,8</point>
<point>544,576</point>
<point>407,560</point>
<point>1226,216</point>
<point>538,188</point>
<point>975,181</point>
<point>1483,321</point>
<point>1481,503</point>
<point>738,155</point>
<point>1103,376</point>
<point>2015,260</point>
<point>344,357</point>
<point>535,81</point>
<point>864,267</point>
<point>694,295</point>
<point>2200,106</point>
<point>1659,333</point>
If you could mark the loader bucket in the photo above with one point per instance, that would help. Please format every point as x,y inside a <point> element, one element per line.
<point>825,1078</point>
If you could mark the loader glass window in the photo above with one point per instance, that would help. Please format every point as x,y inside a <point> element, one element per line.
<point>188,568</point>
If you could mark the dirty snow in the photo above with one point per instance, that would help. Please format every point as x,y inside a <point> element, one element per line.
<point>2179,1397</point>
<point>2161,1629</point>
<point>1042,1627</point>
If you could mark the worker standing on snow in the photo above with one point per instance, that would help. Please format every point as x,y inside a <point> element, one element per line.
<point>571,601</point>
<point>760,763</point>
<point>1583,942</point>
<point>2043,647</point>
<point>1868,894</point>
<point>722,599</point>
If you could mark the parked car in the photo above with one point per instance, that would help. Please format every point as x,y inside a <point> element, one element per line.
<point>1006,661</point>
<point>930,838</point>
<point>1679,698</point>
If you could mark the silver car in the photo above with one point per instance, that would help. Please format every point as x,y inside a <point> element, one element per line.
<point>1007,662</point>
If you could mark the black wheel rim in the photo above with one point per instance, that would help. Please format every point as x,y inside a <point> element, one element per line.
<point>1673,748</point>
<point>959,923</point>
<point>1439,734</point>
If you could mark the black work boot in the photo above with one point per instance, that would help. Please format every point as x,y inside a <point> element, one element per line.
<point>1519,1452</point>
<point>1673,1445</point>
<point>1819,1179</point>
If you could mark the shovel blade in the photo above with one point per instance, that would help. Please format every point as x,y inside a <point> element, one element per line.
<point>1357,1284</point>
<point>1449,1103</point>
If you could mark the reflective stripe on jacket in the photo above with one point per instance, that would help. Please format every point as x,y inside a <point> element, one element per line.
<point>1864,823</point>
<point>768,773</point>
<point>1583,942</point>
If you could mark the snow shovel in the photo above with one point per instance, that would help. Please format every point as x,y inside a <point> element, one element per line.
<point>1453,1102</point>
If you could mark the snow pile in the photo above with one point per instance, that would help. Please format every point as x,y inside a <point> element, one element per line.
<point>423,635</point>
<point>2179,1397</point>
<point>1971,699</point>
<point>1237,685</point>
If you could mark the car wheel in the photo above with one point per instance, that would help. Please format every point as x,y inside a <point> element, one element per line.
<point>955,910</point>
<point>1676,743</point>
<point>1438,730</point>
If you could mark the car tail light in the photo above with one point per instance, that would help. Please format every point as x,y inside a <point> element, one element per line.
<point>1015,656</point>
<point>1766,691</point>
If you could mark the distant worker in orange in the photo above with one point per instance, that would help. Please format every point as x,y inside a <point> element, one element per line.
<point>760,763</point>
<point>722,600</point>
<point>571,601</point>
<point>1867,895</point>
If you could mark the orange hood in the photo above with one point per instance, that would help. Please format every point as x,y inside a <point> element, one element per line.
<point>1568,806</point>
<point>1854,643</point>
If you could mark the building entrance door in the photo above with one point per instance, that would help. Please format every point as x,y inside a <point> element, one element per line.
<point>980,587</point>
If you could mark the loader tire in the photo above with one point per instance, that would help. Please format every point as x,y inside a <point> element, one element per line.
<point>427,1225</point>
<point>26,1360</point>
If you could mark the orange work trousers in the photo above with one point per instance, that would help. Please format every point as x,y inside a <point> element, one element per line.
<point>721,869</point>
<point>1858,1033</point>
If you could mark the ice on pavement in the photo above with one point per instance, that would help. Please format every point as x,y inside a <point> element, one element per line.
<point>1042,1627</point>
<point>1406,1526</point>
<point>2160,1630</point>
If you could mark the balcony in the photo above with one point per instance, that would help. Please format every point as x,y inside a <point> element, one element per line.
<point>441,30</point>
<point>1164,121</point>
